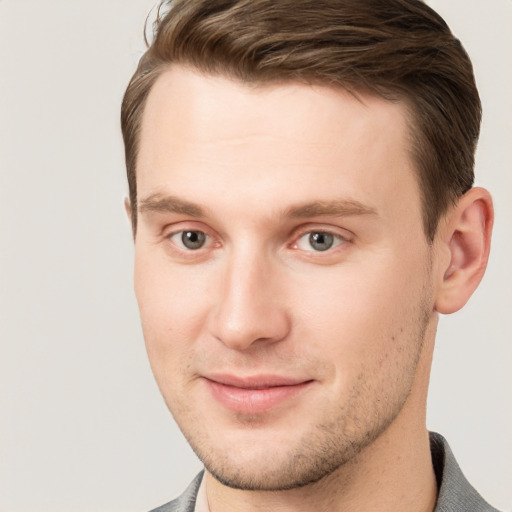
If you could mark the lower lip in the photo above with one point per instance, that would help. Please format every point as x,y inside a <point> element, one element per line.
<point>254,401</point>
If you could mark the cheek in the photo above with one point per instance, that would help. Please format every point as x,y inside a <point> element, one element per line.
<point>169,294</point>
<point>346,302</point>
<point>173,306</point>
<point>362,318</point>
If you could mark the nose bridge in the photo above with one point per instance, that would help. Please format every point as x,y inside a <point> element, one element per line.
<point>249,307</point>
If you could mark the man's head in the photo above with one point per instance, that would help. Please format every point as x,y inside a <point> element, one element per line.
<point>400,50</point>
<point>301,222</point>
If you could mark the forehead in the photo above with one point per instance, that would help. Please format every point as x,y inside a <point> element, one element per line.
<point>182,92</point>
<point>202,131</point>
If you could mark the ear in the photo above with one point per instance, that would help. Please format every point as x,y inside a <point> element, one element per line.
<point>128,211</point>
<point>466,234</point>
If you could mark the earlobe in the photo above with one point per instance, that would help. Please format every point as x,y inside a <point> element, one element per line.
<point>467,235</point>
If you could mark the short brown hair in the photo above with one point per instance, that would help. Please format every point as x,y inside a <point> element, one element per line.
<point>398,49</point>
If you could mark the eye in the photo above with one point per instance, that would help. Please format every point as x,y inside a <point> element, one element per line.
<point>191,240</point>
<point>318,241</point>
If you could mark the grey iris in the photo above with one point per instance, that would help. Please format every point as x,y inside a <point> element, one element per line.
<point>321,241</point>
<point>193,239</point>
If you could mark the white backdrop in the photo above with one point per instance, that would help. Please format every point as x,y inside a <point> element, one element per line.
<point>82,426</point>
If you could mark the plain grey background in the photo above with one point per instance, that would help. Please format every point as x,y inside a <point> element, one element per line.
<point>82,426</point>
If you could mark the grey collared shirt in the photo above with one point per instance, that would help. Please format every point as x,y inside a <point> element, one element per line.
<point>456,494</point>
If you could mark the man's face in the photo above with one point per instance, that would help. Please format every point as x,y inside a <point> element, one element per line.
<point>282,273</point>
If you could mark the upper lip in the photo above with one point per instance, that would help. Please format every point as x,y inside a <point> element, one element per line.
<point>255,381</point>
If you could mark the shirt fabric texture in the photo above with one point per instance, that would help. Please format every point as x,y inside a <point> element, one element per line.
<point>456,494</point>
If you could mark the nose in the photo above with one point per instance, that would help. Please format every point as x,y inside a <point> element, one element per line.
<point>250,307</point>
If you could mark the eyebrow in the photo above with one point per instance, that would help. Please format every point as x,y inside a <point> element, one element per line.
<point>338,208</point>
<point>169,204</point>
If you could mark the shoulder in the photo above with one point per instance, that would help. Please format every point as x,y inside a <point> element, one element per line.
<point>456,494</point>
<point>187,501</point>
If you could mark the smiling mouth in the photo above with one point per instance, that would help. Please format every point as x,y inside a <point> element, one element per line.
<point>254,395</point>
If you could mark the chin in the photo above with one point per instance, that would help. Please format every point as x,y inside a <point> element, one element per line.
<point>263,466</point>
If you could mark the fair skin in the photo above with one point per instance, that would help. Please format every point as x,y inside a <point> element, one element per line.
<point>288,295</point>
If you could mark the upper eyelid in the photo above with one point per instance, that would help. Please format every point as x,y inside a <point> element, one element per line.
<point>331,230</point>
<point>172,233</point>
<point>188,225</point>
<point>340,239</point>
<point>324,231</point>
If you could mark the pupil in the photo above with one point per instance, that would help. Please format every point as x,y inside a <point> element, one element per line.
<point>321,241</point>
<point>193,239</point>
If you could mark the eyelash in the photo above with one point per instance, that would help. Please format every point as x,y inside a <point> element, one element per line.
<point>176,238</point>
<point>181,233</point>
<point>336,240</point>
